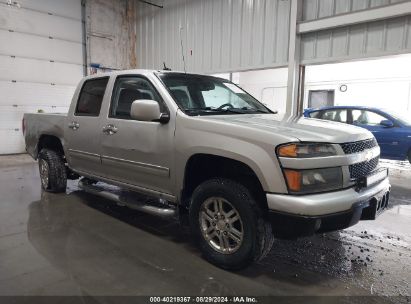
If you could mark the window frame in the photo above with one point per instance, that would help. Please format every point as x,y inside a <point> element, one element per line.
<point>110,109</point>
<point>79,96</point>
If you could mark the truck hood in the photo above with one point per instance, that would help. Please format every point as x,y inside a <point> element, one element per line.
<point>303,129</point>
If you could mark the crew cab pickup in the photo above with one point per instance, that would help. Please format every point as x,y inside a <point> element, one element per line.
<point>202,149</point>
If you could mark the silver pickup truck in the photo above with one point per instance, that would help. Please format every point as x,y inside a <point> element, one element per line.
<point>202,149</point>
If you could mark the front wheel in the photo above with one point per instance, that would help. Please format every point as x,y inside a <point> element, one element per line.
<point>228,224</point>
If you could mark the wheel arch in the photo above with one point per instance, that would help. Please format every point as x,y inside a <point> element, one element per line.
<point>203,166</point>
<point>51,142</point>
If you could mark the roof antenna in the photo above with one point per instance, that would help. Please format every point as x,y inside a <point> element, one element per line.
<point>165,68</point>
<point>182,49</point>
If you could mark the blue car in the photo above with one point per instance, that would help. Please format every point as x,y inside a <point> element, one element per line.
<point>392,131</point>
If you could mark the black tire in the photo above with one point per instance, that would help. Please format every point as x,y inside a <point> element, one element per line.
<point>257,237</point>
<point>56,172</point>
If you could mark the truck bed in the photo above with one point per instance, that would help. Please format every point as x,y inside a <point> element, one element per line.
<point>39,124</point>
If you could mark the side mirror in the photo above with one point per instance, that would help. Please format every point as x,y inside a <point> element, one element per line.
<point>148,110</point>
<point>387,123</point>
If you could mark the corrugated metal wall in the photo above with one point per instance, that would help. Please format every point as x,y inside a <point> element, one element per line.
<point>387,37</point>
<point>217,35</point>
<point>41,61</point>
<point>315,9</point>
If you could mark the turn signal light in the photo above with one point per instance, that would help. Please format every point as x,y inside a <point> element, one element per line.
<point>288,150</point>
<point>293,180</point>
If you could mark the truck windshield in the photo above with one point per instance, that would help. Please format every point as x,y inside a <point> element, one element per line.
<point>207,95</point>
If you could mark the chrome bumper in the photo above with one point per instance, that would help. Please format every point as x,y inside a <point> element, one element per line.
<point>324,203</point>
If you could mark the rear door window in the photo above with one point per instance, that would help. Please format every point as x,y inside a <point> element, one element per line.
<point>91,97</point>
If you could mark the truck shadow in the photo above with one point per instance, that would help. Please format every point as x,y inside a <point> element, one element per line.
<point>84,235</point>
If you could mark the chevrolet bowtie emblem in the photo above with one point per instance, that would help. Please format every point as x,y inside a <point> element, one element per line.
<point>368,155</point>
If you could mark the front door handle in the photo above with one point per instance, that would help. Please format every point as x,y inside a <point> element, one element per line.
<point>110,129</point>
<point>74,125</point>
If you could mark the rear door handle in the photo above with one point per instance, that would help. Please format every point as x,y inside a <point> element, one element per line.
<point>110,129</point>
<point>74,125</point>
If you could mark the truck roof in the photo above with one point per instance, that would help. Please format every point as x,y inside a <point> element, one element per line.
<point>143,72</point>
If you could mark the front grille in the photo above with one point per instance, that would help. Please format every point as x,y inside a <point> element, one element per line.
<point>363,169</point>
<point>359,146</point>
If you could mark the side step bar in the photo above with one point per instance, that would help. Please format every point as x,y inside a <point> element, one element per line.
<point>130,199</point>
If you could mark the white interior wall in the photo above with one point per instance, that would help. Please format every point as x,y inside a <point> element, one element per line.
<point>384,83</point>
<point>268,86</point>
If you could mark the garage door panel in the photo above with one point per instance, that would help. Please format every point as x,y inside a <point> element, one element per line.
<point>69,8</point>
<point>11,118</point>
<point>33,94</point>
<point>12,141</point>
<point>25,45</point>
<point>29,70</point>
<point>41,24</point>
<point>41,62</point>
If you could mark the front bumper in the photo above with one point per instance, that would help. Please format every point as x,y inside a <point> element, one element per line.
<point>294,216</point>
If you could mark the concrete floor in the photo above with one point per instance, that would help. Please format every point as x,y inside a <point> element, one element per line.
<point>79,244</point>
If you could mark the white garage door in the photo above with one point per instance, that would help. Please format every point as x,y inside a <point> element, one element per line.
<point>41,62</point>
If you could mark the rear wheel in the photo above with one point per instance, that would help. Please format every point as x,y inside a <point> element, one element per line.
<point>228,224</point>
<point>52,169</point>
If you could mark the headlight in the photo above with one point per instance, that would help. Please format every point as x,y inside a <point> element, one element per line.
<point>311,181</point>
<point>306,150</point>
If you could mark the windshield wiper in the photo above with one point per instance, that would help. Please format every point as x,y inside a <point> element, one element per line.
<point>204,110</point>
<point>268,111</point>
<point>226,110</point>
<point>247,110</point>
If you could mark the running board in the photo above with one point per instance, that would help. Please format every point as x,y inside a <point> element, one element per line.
<point>130,199</point>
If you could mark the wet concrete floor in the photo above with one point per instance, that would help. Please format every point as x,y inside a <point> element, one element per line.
<point>80,244</point>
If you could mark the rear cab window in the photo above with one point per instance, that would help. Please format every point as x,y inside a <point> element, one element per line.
<point>91,97</point>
